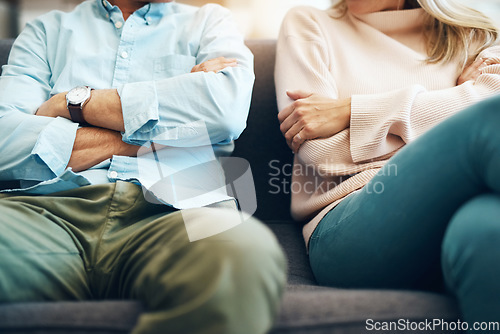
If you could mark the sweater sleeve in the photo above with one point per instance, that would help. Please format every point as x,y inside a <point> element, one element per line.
<point>382,123</point>
<point>302,60</point>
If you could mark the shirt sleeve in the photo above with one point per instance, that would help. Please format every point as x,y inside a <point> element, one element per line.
<point>170,111</point>
<point>382,123</point>
<point>31,147</point>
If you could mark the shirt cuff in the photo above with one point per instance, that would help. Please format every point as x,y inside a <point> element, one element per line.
<point>55,144</point>
<point>140,109</point>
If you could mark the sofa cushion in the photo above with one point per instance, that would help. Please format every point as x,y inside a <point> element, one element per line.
<point>69,317</point>
<point>290,239</point>
<point>321,310</point>
<point>306,309</point>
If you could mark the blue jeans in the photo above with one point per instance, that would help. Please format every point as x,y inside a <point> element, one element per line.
<point>432,212</point>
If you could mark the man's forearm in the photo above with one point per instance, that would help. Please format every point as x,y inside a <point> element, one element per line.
<point>94,145</point>
<point>104,110</point>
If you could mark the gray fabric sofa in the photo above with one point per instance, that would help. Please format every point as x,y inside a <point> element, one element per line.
<point>307,308</point>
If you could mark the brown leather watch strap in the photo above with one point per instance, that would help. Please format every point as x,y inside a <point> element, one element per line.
<point>75,111</point>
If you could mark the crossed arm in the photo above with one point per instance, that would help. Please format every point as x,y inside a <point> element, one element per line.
<point>103,112</point>
<point>313,116</point>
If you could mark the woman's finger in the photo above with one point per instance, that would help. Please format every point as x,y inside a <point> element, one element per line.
<point>297,142</point>
<point>483,66</point>
<point>472,71</point>
<point>298,94</point>
<point>289,122</point>
<point>285,113</point>
<point>295,137</point>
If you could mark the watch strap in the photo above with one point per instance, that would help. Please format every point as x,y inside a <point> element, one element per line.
<point>75,111</point>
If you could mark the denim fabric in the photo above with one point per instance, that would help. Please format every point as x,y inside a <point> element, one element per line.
<point>435,206</point>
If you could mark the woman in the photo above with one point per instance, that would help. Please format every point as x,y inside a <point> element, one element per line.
<point>357,84</point>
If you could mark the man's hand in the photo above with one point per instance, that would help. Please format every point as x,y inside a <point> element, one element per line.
<point>94,145</point>
<point>215,65</point>
<point>54,107</point>
<point>312,116</point>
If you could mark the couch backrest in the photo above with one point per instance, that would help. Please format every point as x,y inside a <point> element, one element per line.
<point>5,45</point>
<point>261,144</point>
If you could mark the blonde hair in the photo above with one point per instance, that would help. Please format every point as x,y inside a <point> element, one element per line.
<point>452,31</point>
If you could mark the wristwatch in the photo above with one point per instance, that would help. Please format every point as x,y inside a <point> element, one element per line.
<point>76,100</point>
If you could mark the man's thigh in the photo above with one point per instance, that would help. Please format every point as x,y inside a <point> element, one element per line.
<point>39,260</point>
<point>192,269</point>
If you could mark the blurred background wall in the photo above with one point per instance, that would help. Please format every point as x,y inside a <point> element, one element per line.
<point>256,18</point>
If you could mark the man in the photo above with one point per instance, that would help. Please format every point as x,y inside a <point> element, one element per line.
<point>85,95</point>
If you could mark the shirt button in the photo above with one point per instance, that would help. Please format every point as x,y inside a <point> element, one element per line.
<point>124,55</point>
<point>118,24</point>
<point>113,175</point>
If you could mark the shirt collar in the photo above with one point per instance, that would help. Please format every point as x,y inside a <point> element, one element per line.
<point>151,12</point>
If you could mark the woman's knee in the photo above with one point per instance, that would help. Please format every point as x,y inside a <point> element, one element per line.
<point>471,240</point>
<point>480,120</point>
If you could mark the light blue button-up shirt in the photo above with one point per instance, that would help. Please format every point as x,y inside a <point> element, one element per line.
<point>148,59</point>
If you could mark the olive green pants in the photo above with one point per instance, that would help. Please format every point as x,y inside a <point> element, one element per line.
<point>107,242</point>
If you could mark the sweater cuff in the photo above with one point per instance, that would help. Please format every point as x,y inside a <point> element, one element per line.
<point>379,122</point>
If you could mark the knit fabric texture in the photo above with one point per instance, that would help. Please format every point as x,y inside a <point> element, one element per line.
<point>379,60</point>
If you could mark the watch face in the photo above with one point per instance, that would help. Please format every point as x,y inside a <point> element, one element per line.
<point>78,94</point>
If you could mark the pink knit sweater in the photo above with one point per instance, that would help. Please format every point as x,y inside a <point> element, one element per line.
<point>376,59</point>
